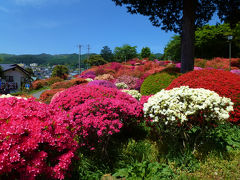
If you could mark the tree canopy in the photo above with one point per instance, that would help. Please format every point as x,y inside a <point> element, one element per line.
<point>60,71</point>
<point>210,41</point>
<point>96,60</point>
<point>183,16</point>
<point>145,52</point>
<point>107,54</point>
<point>125,52</point>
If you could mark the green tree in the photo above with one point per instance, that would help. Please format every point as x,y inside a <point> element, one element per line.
<point>107,54</point>
<point>145,52</point>
<point>210,41</point>
<point>30,71</point>
<point>1,72</point>
<point>96,60</point>
<point>183,16</point>
<point>172,51</point>
<point>60,71</point>
<point>125,52</point>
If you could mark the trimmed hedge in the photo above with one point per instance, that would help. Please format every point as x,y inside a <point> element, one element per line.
<point>156,82</point>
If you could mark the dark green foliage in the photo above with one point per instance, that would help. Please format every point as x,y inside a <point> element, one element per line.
<point>125,52</point>
<point>145,52</point>
<point>30,71</point>
<point>107,54</point>
<point>96,60</point>
<point>210,42</point>
<point>156,82</point>
<point>145,170</point>
<point>60,71</point>
<point>172,51</point>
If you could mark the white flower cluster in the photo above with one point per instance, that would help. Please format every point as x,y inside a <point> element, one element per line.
<point>89,79</point>
<point>178,104</point>
<point>133,93</point>
<point>9,95</point>
<point>121,85</point>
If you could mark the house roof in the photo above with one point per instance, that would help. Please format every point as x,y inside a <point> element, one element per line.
<point>6,67</point>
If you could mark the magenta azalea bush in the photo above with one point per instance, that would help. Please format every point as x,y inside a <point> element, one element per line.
<point>89,74</point>
<point>35,140</point>
<point>98,111</point>
<point>104,83</point>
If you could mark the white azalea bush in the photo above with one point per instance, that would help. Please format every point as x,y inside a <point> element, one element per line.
<point>121,85</point>
<point>8,96</point>
<point>184,104</point>
<point>89,79</point>
<point>184,116</point>
<point>133,93</point>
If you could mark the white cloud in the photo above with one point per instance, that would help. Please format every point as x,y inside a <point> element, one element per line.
<point>3,9</point>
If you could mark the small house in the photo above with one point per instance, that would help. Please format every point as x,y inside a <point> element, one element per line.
<point>14,76</point>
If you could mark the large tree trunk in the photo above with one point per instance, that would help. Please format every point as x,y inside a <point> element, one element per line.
<point>188,35</point>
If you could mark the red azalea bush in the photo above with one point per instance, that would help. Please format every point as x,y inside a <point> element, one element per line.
<point>47,95</point>
<point>218,63</point>
<point>35,140</point>
<point>39,84</point>
<point>235,62</point>
<point>200,62</point>
<point>69,83</point>
<point>224,83</point>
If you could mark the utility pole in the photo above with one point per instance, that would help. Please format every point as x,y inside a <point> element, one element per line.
<point>88,50</point>
<point>79,58</point>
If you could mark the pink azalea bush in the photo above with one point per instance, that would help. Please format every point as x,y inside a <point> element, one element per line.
<point>236,71</point>
<point>35,140</point>
<point>130,81</point>
<point>98,111</point>
<point>88,74</point>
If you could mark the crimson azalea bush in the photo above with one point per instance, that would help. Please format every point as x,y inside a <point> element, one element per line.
<point>225,83</point>
<point>35,140</point>
<point>88,74</point>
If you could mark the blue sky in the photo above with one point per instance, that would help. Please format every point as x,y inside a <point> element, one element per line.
<point>57,26</point>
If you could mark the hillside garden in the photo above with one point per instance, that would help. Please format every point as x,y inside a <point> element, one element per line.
<point>136,120</point>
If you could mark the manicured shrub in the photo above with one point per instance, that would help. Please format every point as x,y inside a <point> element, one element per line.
<point>218,63</point>
<point>69,83</point>
<point>130,81</point>
<point>225,83</point>
<point>98,112</point>
<point>79,94</point>
<point>133,93</point>
<point>236,71</point>
<point>200,62</point>
<point>107,77</point>
<point>99,118</point>
<point>39,84</point>
<point>53,80</point>
<point>102,83</point>
<point>35,140</point>
<point>47,95</point>
<point>156,82</point>
<point>121,85</point>
<point>88,74</point>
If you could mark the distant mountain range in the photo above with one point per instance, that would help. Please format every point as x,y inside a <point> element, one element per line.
<point>42,59</point>
<point>46,59</point>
